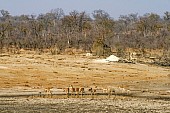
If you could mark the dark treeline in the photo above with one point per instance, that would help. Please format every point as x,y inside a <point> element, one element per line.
<point>81,31</point>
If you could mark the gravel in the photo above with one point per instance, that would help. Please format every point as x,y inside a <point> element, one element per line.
<point>84,105</point>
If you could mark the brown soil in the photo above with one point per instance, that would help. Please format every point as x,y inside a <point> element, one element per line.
<point>29,70</point>
<point>32,72</point>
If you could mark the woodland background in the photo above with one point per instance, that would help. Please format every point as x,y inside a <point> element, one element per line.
<point>147,35</point>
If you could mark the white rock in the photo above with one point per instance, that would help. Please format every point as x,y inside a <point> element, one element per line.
<point>112,58</point>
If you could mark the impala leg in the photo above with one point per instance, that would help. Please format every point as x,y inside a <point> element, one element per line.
<point>68,94</point>
<point>82,94</point>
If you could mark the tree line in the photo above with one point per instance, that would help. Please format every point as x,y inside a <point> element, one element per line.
<point>83,31</point>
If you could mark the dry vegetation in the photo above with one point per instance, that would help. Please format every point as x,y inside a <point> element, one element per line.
<point>45,54</point>
<point>28,73</point>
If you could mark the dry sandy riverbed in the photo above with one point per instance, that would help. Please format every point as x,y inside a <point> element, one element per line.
<point>28,74</point>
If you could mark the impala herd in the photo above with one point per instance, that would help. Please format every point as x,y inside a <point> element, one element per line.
<point>77,91</point>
